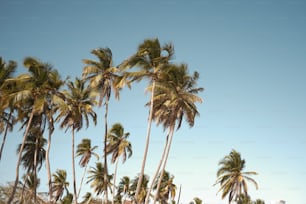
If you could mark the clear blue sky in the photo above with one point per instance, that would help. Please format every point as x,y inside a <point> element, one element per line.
<point>251,56</point>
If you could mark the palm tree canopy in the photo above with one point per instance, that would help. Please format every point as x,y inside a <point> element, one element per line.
<point>232,178</point>
<point>118,145</point>
<point>85,150</point>
<point>59,183</point>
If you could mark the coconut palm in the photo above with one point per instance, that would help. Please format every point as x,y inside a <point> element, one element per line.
<point>85,150</point>
<point>76,109</point>
<point>59,184</point>
<point>232,178</point>
<point>102,76</point>
<point>118,146</point>
<point>244,199</point>
<point>96,178</point>
<point>124,191</point>
<point>175,99</point>
<point>259,201</point>
<point>151,58</point>
<point>143,188</point>
<point>196,200</point>
<point>29,93</point>
<point>6,118</point>
<point>167,189</point>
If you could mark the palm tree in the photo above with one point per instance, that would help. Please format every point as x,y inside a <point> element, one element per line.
<point>96,178</point>
<point>85,150</point>
<point>143,188</point>
<point>59,184</point>
<point>244,199</point>
<point>76,108</point>
<point>118,146</point>
<point>232,178</point>
<point>196,200</point>
<point>29,93</point>
<point>124,190</point>
<point>259,201</point>
<point>6,119</point>
<point>175,99</point>
<point>167,189</point>
<point>102,76</point>
<point>151,58</point>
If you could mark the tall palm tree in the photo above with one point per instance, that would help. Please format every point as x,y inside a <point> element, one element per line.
<point>167,189</point>
<point>232,178</point>
<point>59,184</point>
<point>73,111</point>
<point>85,150</point>
<point>6,118</point>
<point>118,146</point>
<point>96,178</point>
<point>151,58</point>
<point>29,93</point>
<point>175,99</point>
<point>102,76</point>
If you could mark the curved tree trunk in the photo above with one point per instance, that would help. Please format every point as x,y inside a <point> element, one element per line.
<point>73,170</point>
<point>171,133</point>
<point>19,157</point>
<point>157,171</point>
<point>5,134</point>
<point>35,168</point>
<point>147,144</point>
<point>82,179</point>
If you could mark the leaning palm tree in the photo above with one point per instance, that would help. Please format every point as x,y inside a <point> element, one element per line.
<point>118,146</point>
<point>232,178</point>
<point>6,118</point>
<point>73,111</point>
<point>59,184</point>
<point>102,76</point>
<point>29,93</point>
<point>151,58</point>
<point>175,98</point>
<point>97,181</point>
<point>85,150</point>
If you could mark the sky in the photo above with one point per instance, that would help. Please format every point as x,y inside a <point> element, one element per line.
<point>251,56</point>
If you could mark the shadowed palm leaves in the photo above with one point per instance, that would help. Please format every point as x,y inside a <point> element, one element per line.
<point>96,179</point>
<point>76,109</point>
<point>151,58</point>
<point>167,189</point>
<point>59,184</point>
<point>29,93</point>
<point>103,78</point>
<point>6,118</point>
<point>232,179</point>
<point>118,146</point>
<point>85,150</point>
<point>143,188</point>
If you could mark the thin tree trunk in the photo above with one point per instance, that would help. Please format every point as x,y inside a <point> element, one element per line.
<point>179,195</point>
<point>5,134</point>
<point>19,158</point>
<point>82,179</point>
<point>147,144</point>
<point>35,168</point>
<point>105,153</point>
<point>73,170</point>
<point>48,166</point>
<point>115,175</point>
<point>171,133</point>
<point>157,171</point>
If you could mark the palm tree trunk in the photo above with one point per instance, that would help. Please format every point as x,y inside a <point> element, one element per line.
<point>171,133</point>
<point>105,153</point>
<point>5,134</point>
<point>73,170</point>
<point>115,175</point>
<point>157,171</point>
<point>35,168</point>
<point>48,166</point>
<point>147,144</point>
<point>19,158</point>
<point>82,179</point>
<point>179,195</point>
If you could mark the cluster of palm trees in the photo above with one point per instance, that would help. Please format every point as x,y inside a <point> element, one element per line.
<point>39,99</point>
